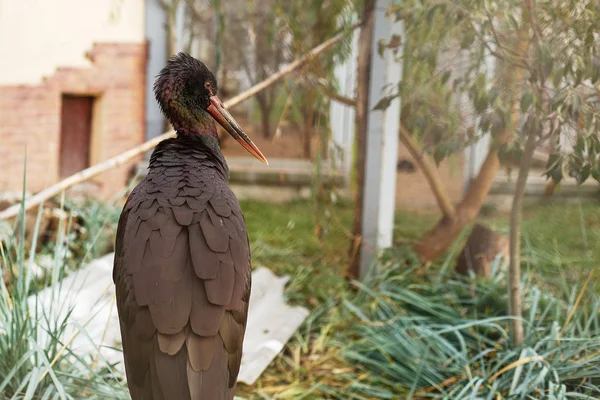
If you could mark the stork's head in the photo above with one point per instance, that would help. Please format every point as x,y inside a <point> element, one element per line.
<point>186,92</point>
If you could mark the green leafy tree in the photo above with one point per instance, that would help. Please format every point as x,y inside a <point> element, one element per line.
<point>543,88</point>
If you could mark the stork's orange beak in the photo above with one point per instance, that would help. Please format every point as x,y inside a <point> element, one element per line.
<point>222,116</point>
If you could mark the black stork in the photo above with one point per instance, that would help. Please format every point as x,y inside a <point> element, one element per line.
<point>182,260</point>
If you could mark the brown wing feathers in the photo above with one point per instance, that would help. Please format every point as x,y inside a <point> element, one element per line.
<point>182,276</point>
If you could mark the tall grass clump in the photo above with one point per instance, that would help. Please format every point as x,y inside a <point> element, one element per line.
<point>99,221</point>
<point>448,339</point>
<point>36,356</point>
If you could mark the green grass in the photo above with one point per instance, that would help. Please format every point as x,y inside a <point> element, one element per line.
<point>557,238</point>
<point>411,225</point>
<point>559,235</point>
<point>36,359</point>
<point>283,239</point>
<point>283,236</point>
<point>435,338</point>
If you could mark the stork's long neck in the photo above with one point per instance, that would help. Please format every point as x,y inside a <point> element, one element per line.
<point>189,153</point>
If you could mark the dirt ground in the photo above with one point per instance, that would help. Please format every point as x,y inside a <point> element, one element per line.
<point>412,189</point>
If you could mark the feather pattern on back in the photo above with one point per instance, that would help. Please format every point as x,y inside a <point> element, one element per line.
<point>182,275</point>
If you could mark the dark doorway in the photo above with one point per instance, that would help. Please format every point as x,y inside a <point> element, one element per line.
<point>75,134</point>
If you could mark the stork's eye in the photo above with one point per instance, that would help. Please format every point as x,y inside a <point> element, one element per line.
<point>209,88</point>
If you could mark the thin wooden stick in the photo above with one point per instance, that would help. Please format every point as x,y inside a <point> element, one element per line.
<point>127,156</point>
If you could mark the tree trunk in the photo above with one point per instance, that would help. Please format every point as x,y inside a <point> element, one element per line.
<point>324,142</point>
<point>308,133</point>
<point>265,114</point>
<point>225,92</point>
<point>482,247</point>
<point>440,237</point>
<point>362,109</point>
<point>265,122</point>
<point>514,268</point>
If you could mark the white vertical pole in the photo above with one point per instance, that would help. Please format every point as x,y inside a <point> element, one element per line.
<point>156,19</point>
<point>342,116</point>
<point>382,142</point>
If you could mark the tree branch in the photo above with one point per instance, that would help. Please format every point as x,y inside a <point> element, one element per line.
<point>497,36</point>
<point>486,44</point>
<point>503,57</point>
<point>333,95</point>
<point>430,172</point>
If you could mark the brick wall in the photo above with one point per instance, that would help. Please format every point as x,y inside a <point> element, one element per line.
<point>30,118</point>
